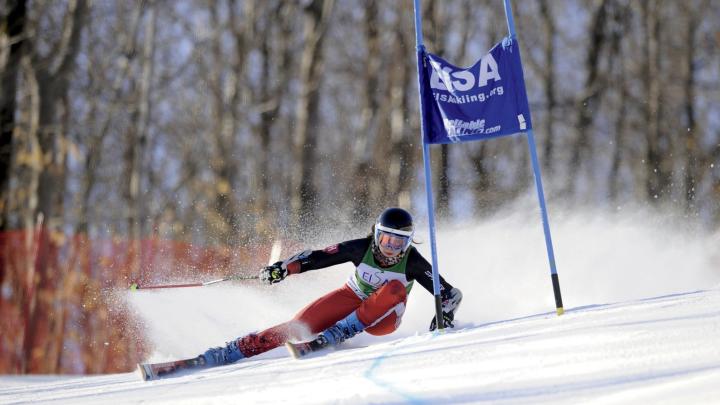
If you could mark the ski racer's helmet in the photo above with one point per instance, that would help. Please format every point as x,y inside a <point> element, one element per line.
<point>394,231</point>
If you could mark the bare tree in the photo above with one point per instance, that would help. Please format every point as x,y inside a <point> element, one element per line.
<point>435,36</point>
<point>11,48</point>
<point>52,73</point>
<point>657,164</point>
<point>592,92</point>
<point>137,134</point>
<point>621,16</point>
<point>365,171</point>
<point>403,135</point>
<point>276,61</point>
<point>227,87</point>
<point>316,17</point>
<point>548,76</point>
<point>693,155</point>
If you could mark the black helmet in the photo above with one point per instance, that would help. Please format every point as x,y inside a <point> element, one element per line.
<point>396,223</point>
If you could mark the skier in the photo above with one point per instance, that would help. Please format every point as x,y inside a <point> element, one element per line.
<point>372,300</point>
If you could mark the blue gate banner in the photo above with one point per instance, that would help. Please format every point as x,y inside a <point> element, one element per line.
<point>484,101</point>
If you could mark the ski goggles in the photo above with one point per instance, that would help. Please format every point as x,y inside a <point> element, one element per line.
<point>392,239</point>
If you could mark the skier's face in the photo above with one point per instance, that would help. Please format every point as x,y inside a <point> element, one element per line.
<point>390,244</point>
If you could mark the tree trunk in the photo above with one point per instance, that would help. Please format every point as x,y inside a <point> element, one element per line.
<point>591,96</point>
<point>618,68</point>
<point>11,49</point>
<point>364,172</point>
<point>316,14</point>
<point>620,127</point>
<point>548,23</point>
<point>52,77</point>
<point>443,198</point>
<point>136,145</point>
<point>93,157</point>
<point>485,200</point>
<point>226,89</point>
<point>434,16</point>
<point>401,135</point>
<point>270,113</point>
<point>691,145</point>
<point>270,106</point>
<point>658,176</point>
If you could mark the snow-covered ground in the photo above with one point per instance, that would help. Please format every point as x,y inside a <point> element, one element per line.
<point>642,323</point>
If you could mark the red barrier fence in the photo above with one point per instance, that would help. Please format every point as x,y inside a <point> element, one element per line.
<point>60,311</point>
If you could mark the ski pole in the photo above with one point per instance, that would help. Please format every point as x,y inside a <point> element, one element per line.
<point>135,286</point>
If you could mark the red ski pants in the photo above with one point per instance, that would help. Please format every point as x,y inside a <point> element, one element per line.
<point>381,313</point>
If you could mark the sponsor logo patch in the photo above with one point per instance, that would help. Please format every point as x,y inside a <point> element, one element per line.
<point>332,249</point>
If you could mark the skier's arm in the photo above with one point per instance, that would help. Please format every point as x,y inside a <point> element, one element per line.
<point>350,251</point>
<point>419,269</point>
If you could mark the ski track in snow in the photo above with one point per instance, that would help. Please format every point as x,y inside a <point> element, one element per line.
<point>642,324</point>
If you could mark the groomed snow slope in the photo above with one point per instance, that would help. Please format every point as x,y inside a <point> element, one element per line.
<point>658,350</point>
<point>642,324</point>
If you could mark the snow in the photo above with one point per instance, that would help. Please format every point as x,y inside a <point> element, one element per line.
<point>642,322</point>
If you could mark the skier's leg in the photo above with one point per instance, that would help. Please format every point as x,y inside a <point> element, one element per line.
<point>383,311</point>
<point>389,323</point>
<point>379,314</point>
<point>327,310</point>
<point>312,319</point>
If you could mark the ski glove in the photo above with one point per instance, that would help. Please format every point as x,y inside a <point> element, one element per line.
<point>274,273</point>
<point>277,271</point>
<point>450,304</point>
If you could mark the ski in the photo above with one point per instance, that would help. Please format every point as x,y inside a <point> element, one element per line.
<point>300,350</point>
<point>297,350</point>
<point>154,371</point>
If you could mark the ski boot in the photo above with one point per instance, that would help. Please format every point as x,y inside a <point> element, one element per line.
<point>332,336</point>
<point>218,356</point>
